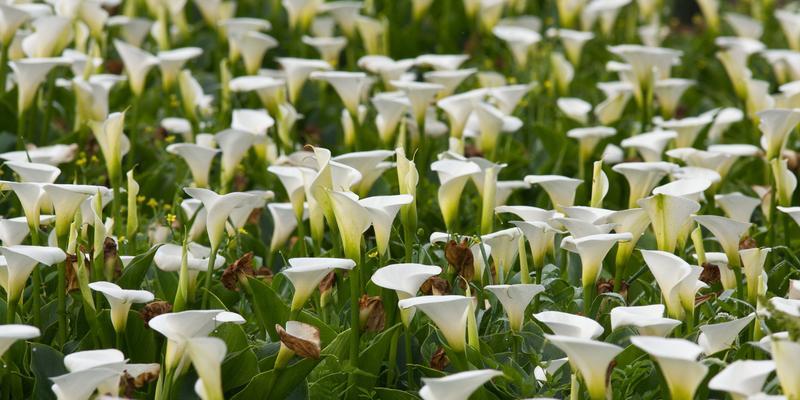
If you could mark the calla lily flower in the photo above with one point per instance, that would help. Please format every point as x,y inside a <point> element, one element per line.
<point>207,354</point>
<point>10,333</point>
<point>579,228</point>
<point>669,93</point>
<point>382,211</point>
<point>390,109</point>
<point>617,96</point>
<point>676,278</point>
<point>234,144</point>
<point>112,359</point>
<point>113,142</point>
<point>348,85</point>
<point>172,61</point>
<point>560,189</point>
<point>527,213</point>
<point>450,80</point>
<point>677,360</point>
<point>301,12</point>
<point>420,95</point>
<point>405,280</point>
<point>29,74</point>
<point>668,215</point>
<point>718,337</point>
<point>168,258</point>
<point>67,199</point>
<point>686,129</point>
<point>198,158</point>
<point>180,327</point>
<point>297,71</point>
<point>505,189</point>
<point>793,212</point>
<point>369,164</point>
<point>643,177</point>
<point>51,35</point>
<point>137,64</point>
<point>21,260</point>
<point>120,301</point>
<point>306,274</point>
<point>742,378</point>
<point>234,28</point>
<point>588,138</point>
<point>352,219</point>
<point>218,209</point>
<point>589,358</point>
<point>81,384</point>
<point>515,299</point>
<point>575,109</point>
<point>744,26</point>
<point>34,172</point>
<point>753,261</point>
<point>284,222</point>
<point>790,24</point>
<point>593,250</point>
<point>775,126</point>
<point>458,108</point>
<point>456,386</point>
<point>572,41</point>
<point>449,313</point>
<point>12,18</point>
<point>519,40</point>
<point>563,72</point>
<point>270,91</point>
<point>329,48</point>
<point>648,64</point>
<point>728,232</point>
<point>633,221</point>
<point>785,353</point>
<point>646,320</point>
<point>131,30</point>
<point>540,236</point>
<point>14,230</point>
<point>785,181</point>
<point>570,325</point>
<point>650,145</point>
<point>505,248</point>
<point>453,175</point>
<point>253,45</point>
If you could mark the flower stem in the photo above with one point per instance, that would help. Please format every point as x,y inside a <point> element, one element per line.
<point>209,273</point>
<point>409,360</point>
<point>36,279</point>
<point>355,330</point>
<point>11,310</point>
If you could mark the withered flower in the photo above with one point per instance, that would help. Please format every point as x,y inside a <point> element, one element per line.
<point>459,256</point>
<point>435,286</point>
<point>238,270</point>
<point>112,264</point>
<point>747,243</point>
<point>154,309</point>
<point>371,315</point>
<point>439,360</point>
<point>298,338</point>
<point>710,274</point>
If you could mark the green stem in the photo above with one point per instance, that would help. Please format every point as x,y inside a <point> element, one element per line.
<point>587,299</point>
<point>4,66</point>
<point>355,330</point>
<point>116,205</point>
<point>11,310</point>
<point>61,287</point>
<point>409,360</point>
<point>209,274</point>
<point>36,278</point>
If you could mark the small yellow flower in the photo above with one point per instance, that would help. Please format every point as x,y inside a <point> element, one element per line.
<point>152,203</point>
<point>169,139</point>
<point>95,160</point>
<point>242,230</point>
<point>167,207</point>
<point>80,162</point>
<point>141,199</point>
<point>170,218</point>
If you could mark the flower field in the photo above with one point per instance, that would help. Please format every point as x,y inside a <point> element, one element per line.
<point>399,199</point>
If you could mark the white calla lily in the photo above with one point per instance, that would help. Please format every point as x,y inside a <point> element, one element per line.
<point>560,189</point>
<point>20,262</point>
<point>198,158</point>
<point>570,325</point>
<point>456,386</point>
<point>348,85</point>
<point>737,206</point>
<point>728,232</point>
<point>82,384</point>
<point>405,280</point>
<point>742,378</point>
<point>775,126</point>
<point>137,65</point>
<point>11,333</point>
<point>449,313</point>
<point>753,261</point>
<point>297,71</point>
<point>593,250</point>
<point>29,74</point>
<point>714,338</point>
<point>120,300</point>
<point>218,209</point>
<point>453,176</point>
<point>206,354</point>
<point>505,248</point>
<point>677,280</point>
<point>589,358</point>
<point>382,211</point>
<point>420,95</point>
<point>234,144</point>
<point>575,109</point>
<point>170,62</point>
<point>515,299</point>
<point>646,320</point>
<point>785,353</point>
<point>668,215</point>
<point>306,274</point>
<point>677,359</point>
<point>650,145</point>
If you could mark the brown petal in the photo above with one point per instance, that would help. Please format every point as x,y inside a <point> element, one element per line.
<point>439,359</point>
<point>305,340</point>
<point>371,314</point>
<point>154,309</point>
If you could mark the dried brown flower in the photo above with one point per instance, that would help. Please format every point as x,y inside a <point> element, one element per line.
<point>435,286</point>
<point>154,309</point>
<point>439,360</point>
<point>710,274</point>
<point>239,269</point>
<point>747,243</point>
<point>459,256</point>
<point>371,315</point>
<point>302,339</point>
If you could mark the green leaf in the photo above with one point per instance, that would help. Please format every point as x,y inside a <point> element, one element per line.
<point>46,362</point>
<point>394,394</point>
<point>134,273</point>
<point>371,359</point>
<point>238,368</point>
<point>167,284</point>
<point>275,311</point>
